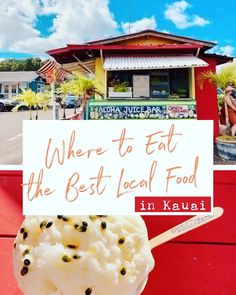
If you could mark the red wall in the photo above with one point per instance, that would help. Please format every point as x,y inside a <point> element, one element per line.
<point>206,98</point>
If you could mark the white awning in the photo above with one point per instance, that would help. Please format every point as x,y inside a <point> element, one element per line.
<point>152,62</point>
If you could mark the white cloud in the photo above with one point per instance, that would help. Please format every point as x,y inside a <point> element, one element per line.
<point>164,31</point>
<point>227,50</point>
<point>199,21</point>
<point>140,25</point>
<point>74,22</point>
<point>176,12</point>
<point>16,23</point>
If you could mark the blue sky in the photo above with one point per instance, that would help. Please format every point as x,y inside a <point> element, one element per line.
<point>29,27</point>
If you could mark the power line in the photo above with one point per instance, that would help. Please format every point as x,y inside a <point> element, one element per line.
<point>129,11</point>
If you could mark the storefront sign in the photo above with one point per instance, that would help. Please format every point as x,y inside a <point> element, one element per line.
<point>141,112</point>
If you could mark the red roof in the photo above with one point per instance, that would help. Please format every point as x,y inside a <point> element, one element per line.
<point>153,33</point>
<point>114,46</point>
<point>66,54</point>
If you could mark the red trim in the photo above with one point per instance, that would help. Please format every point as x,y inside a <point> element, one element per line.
<point>135,47</point>
<point>147,33</point>
<point>71,47</point>
<point>58,50</point>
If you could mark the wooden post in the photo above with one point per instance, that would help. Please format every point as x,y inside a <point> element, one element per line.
<point>53,100</point>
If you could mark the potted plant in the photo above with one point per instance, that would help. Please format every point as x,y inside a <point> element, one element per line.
<point>182,92</point>
<point>120,90</point>
<point>226,147</point>
<point>226,144</point>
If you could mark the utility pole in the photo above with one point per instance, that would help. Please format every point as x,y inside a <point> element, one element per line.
<point>129,11</point>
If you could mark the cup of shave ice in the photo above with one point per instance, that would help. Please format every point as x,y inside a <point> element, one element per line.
<point>82,255</point>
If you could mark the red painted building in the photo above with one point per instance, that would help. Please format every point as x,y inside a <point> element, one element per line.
<point>147,75</point>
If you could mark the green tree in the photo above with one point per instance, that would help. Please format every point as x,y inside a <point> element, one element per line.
<point>31,100</point>
<point>14,64</point>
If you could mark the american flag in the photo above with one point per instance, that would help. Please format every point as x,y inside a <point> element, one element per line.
<point>52,72</point>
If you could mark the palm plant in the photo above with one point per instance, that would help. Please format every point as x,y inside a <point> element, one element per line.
<point>226,76</point>
<point>31,100</point>
<point>42,101</point>
<point>26,98</point>
<point>82,87</point>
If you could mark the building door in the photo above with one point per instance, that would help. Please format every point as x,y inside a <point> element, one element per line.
<point>14,89</point>
<point>141,86</point>
<point>5,90</point>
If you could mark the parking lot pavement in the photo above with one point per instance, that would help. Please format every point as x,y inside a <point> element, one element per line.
<point>11,133</point>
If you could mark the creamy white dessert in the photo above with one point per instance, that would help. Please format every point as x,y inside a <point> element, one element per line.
<point>82,255</point>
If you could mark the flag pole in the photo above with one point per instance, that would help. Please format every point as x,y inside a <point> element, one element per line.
<point>53,100</point>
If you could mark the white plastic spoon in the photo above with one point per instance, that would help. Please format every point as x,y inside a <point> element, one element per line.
<point>185,227</point>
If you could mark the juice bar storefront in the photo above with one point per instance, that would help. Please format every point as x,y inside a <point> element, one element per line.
<point>148,87</point>
<point>148,74</point>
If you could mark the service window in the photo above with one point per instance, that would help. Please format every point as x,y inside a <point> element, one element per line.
<point>160,84</point>
<point>179,83</point>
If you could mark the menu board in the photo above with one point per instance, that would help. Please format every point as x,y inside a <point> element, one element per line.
<point>141,86</point>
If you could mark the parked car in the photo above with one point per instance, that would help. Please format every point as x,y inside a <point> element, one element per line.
<point>7,104</point>
<point>70,101</point>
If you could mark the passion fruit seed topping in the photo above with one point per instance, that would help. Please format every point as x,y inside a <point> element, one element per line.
<point>24,270</point>
<point>121,241</point>
<point>26,262</point>
<point>72,246</point>
<point>42,224</point>
<point>83,228</point>
<point>26,252</point>
<point>49,224</point>
<point>66,258</point>
<point>88,291</point>
<point>84,223</point>
<point>103,225</point>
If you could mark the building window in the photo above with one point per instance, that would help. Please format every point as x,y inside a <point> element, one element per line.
<point>14,89</point>
<point>164,84</point>
<point>6,89</point>
<point>179,83</point>
<point>40,87</point>
<point>160,84</point>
